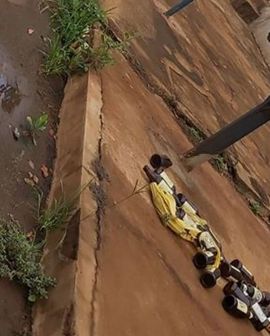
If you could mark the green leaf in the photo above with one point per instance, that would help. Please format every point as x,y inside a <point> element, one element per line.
<point>32,298</point>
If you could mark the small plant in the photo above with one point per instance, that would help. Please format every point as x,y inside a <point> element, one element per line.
<point>57,215</point>
<point>220,164</point>
<point>101,55</point>
<point>36,125</point>
<point>20,261</point>
<point>71,47</point>
<point>195,134</point>
<point>255,207</point>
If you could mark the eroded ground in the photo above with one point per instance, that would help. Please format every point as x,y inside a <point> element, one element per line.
<point>23,92</point>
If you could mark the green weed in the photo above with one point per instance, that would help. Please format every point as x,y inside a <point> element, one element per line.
<point>195,134</point>
<point>255,207</point>
<point>220,164</point>
<point>57,215</point>
<point>20,261</point>
<point>71,47</point>
<point>35,125</point>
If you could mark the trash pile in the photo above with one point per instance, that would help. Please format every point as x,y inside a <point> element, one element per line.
<point>242,296</point>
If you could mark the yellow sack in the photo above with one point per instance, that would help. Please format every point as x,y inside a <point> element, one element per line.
<point>165,206</point>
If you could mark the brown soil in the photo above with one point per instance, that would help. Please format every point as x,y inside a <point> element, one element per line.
<point>28,93</point>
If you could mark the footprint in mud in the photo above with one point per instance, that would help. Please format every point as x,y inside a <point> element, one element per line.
<point>10,96</point>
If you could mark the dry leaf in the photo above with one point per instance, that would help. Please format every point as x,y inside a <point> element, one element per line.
<point>30,31</point>
<point>30,175</point>
<point>35,179</point>
<point>44,171</point>
<point>31,164</point>
<point>29,182</point>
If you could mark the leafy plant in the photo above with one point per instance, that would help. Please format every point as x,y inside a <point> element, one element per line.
<point>220,163</point>
<point>36,125</point>
<point>71,47</point>
<point>20,261</point>
<point>195,134</point>
<point>255,207</point>
<point>57,215</point>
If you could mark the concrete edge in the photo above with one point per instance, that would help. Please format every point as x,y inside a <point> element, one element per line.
<point>68,309</point>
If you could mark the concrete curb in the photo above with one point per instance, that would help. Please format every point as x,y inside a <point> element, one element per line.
<point>69,254</point>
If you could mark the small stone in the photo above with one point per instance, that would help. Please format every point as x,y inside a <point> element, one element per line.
<point>30,31</point>
<point>31,164</point>
<point>44,171</point>
<point>35,179</point>
<point>16,134</point>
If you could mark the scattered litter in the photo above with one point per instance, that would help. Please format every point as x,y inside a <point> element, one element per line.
<point>30,182</point>
<point>243,298</point>
<point>31,164</point>
<point>30,175</point>
<point>16,134</point>
<point>31,179</point>
<point>44,170</point>
<point>35,179</point>
<point>30,31</point>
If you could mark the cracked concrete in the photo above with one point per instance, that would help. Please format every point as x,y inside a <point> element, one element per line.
<point>100,197</point>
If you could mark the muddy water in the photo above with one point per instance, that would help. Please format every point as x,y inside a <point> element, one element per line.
<point>23,91</point>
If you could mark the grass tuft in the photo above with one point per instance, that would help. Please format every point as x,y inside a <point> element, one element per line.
<point>71,47</point>
<point>219,163</point>
<point>57,215</point>
<point>255,207</point>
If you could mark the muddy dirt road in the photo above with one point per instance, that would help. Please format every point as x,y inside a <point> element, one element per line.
<point>23,92</point>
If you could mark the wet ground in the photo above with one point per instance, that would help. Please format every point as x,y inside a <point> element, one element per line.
<point>23,91</point>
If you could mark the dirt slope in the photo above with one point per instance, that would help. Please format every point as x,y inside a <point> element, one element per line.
<point>207,59</point>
